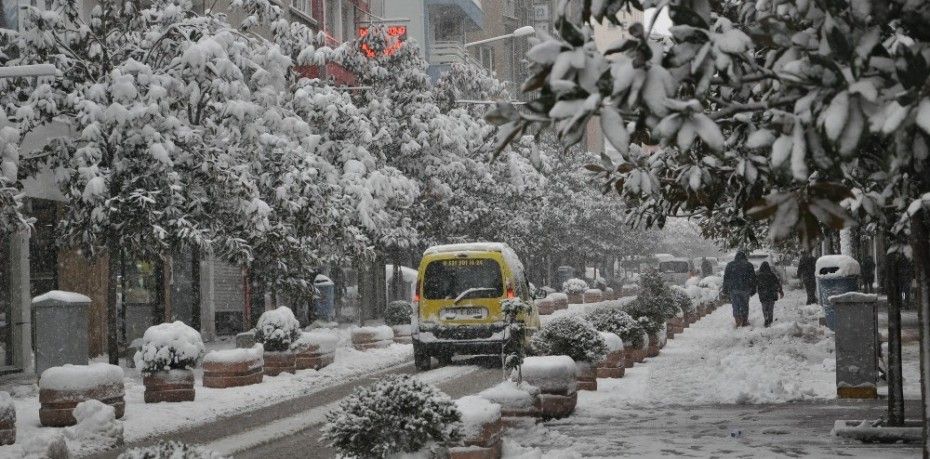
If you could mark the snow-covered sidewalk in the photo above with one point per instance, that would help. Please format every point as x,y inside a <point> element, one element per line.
<point>144,420</point>
<point>707,382</point>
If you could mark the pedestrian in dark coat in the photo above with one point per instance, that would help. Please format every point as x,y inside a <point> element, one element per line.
<point>739,283</point>
<point>769,291</point>
<point>868,273</point>
<point>707,268</point>
<point>807,266</point>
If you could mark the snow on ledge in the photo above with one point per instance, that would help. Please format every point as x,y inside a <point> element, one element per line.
<point>62,296</point>
<point>854,297</point>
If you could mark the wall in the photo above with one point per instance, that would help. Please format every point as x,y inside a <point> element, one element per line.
<point>88,277</point>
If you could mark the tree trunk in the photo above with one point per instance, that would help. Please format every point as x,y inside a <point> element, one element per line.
<point>167,285</point>
<point>246,299</point>
<point>113,267</point>
<point>880,261</point>
<point>195,289</point>
<point>920,244</point>
<point>895,379</point>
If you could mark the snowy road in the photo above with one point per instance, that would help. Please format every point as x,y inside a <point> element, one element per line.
<point>774,385</point>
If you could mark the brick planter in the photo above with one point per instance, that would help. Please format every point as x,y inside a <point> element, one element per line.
<point>610,294</point>
<point>314,358</point>
<point>517,402</point>
<point>62,388</point>
<point>279,362</point>
<point>483,430</point>
<point>365,338</point>
<point>613,366</point>
<point>556,379</point>
<point>233,368</point>
<point>546,306</point>
<point>556,406</point>
<point>7,420</point>
<point>653,349</point>
<point>587,375</point>
<point>174,385</point>
<point>593,295</point>
<point>559,300</point>
<point>575,298</point>
<point>403,333</point>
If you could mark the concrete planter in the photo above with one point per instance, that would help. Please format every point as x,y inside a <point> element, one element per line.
<point>176,385</point>
<point>232,368</point>
<point>483,437</point>
<point>587,375</point>
<point>557,381</point>
<point>279,362</point>
<point>403,334</point>
<point>314,358</point>
<point>7,420</point>
<point>613,366</point>
<point>556,406</point>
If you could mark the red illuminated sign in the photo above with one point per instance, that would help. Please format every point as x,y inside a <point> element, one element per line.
<point>398,33</point>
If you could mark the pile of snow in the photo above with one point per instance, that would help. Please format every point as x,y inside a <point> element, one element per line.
<point>557,296</point>
<point>96,425</point>
<point>169,450</point>
<point>614,343</point>
<point>277,329</point>
<point>551,374</point>
<point>45,444</point>
<point>169,346</point>
<point>238,355</point>
<point>62,296</point>
<point>695,293</point>
<point>711,282</point>
<point>325,340</point>
<point>693,280</point>
<point>574,285</point>
<point>511,395</point>
<point>594,291</point>
<point>476,412</point>
<point>70,377</point>
<point>833,266</point>
<point>379,332</point>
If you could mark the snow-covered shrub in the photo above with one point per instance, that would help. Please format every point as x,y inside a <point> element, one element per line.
<point>169,450</point>
<point>574,285</point>
<point>277,329</point>
<point>572,336</point>
<point>683,300</point>
<point>651,312</point>
<point>398,313</point>
<point>169,346</point>
<point>96,424</point>
<point>620,323</point>
<point>398,414</point>
<point>514,310</point>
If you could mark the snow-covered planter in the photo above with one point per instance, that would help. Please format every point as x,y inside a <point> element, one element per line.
<point>630,331</point>
<point>593,295</point>
<point>575,289</point>
<point>545,306</point>
<point>62,388</point>
<point>169,450</point>
<point>559,300</point>
<point>516,400</point>
<point>555,378</point>
<point>7,419</point>
<point>168,354</point>
<point>614,364</point>
<point>277,330</point>
<point>233,367</point>
<point>610,294</point>
<point>398,316</point>
<point>577,338</point>
<point>364,338</point>
<point>482,429</point>
<point>398,414</point>
<point>315,349</point>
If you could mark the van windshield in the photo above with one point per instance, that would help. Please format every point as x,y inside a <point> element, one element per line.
<point>447,279</point>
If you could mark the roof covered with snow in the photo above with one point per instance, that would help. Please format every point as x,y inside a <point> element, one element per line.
<point>468,247</point>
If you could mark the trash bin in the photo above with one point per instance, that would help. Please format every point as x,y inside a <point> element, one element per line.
<point>836,274</point>
<point>856,345</point>
<point>61,329</point>
<point>324,303</point>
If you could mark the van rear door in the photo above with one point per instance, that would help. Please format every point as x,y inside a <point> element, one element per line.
<point>465,289</point>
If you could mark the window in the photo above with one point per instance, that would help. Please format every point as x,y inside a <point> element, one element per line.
<point>486,56</point>
<point>332,15</point>
<point>9,14</point>
<point>447,279</point>
<point>510,8</point>
<point>348,21</point>
<point>302,5</point>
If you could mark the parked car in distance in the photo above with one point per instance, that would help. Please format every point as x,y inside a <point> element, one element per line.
<point>676,271</point>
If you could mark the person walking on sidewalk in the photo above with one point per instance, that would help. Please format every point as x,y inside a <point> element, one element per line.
<point>807,266</point>
<point>868,273</point>
<point>739,283</point>
<point>769,291</point>
<point>707,268</point>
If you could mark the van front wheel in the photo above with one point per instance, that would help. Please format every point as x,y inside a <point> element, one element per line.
<point>421,359</point>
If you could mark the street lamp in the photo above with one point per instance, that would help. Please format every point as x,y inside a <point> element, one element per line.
<point>521,32</point>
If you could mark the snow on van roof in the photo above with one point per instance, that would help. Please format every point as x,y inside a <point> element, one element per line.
<point>468,247</point>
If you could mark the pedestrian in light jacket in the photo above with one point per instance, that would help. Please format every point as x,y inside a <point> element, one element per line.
<point>739,283</point>
<point>769,291</point>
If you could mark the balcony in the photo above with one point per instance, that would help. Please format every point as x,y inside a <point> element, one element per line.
<point>472,9</point>
<point>445,53</point>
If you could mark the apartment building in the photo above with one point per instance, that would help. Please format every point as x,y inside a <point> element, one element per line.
<point>505,58</point>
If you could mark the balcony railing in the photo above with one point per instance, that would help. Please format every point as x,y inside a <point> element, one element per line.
<point>447,52</point>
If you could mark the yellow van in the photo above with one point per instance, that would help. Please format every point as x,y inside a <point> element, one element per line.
<point>460,288</point>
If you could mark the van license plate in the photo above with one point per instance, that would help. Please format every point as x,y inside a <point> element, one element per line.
<point>464,313</point>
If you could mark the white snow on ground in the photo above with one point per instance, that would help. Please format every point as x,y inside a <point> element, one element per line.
<point>709,393</point>
<point>147,420</point>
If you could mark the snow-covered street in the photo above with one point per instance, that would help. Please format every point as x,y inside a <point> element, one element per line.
<point>723,392</point>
